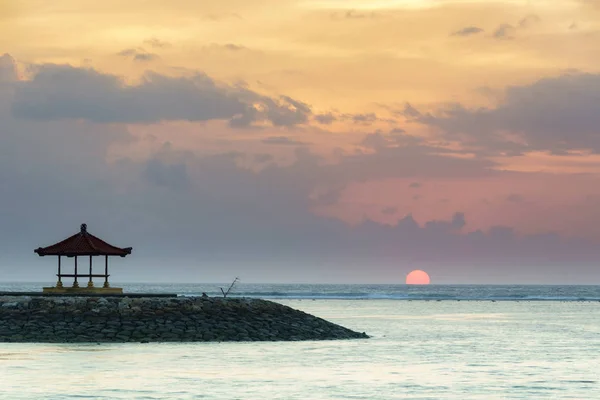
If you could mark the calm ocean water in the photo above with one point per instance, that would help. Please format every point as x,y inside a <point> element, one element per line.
<point>531,342</point>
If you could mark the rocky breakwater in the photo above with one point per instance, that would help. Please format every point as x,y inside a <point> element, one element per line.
<point>147,319</point>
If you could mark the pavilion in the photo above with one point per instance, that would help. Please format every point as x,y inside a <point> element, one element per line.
<point>83,244</point>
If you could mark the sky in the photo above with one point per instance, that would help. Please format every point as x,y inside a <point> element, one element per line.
<point>346,141</point>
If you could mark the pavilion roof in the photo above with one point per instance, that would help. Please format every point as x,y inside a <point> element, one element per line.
<point>83,243</point>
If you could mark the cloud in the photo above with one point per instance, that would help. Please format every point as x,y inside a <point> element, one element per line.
<point>157,43</point>
<point>65,92</point>
<point>556,114</point>
<point>173,176</point>
<point>529,20</point>
<point>457,222</point>
<point>225,49</point>
<point>209,218</point>
<point>138,55</point>
<point>508,31</point>
<point>415,185</point>
<point>145,57</point>
<point>396,137</point>
<point>283,140</point>
<point>364,118</point>
<point>356,118</point>
<point>355,15</point>
<point>233,47</point>
<point>8,69</point>
<point>286,111</point>
<point>325,119</point>
<point>326,196</point>
<point>504,31</point>
<point>515,198</point>
<point>389,210</point>
<point>198,217</point>
<point>467,31</point>
<point>263,158</point>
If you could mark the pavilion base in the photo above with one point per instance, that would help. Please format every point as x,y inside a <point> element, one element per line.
<point>83,290</point>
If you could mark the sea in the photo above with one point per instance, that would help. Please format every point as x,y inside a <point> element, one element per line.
<point>427,342</point>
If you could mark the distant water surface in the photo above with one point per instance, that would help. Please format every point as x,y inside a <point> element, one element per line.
<point>357,292</point>
<point>419,350</point>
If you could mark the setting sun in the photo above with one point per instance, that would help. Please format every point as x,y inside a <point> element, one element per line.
<point>417,277</point>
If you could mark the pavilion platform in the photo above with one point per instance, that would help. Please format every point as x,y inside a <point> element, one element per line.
<point>87,294</point>
<point>99,291</point>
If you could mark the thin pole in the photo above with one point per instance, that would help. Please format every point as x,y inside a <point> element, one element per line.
<point>106,272</point>
<point>90,282</point>
<point>75,283</point>
<point>59,283</point>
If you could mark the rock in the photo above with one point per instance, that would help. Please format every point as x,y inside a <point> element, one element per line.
<point>185,319</point>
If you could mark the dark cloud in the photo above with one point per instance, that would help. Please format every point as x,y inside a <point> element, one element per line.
<point>8,69</point>
<point>283,140</point>
<point>410,112</point>
<point>138,55</point>
<point>508,31</point>
<point>553,114</point>
<point>286,111</point>
<point>389,210</point>
<point>233,47</point>
<point>225,48</point>
<point>263,158</point>
<point>245,119</point>
<point>173,176</point>
<point>355,15</point>
<point>65,92</point>
<point>457,222</point>
<point>396,137</point>
<point>398,157</point>
<point>515,198</point>
<point>145,57</point>
<point>415,185</point>
<point>529,20</point>
<point>364,118</point>
<point>467,31</point>
<point>127,53</point>
<point>157,43</point>
<point>328,196</point>
<point>358,118</point>
<point>504,31</point>
<point>325,119</point>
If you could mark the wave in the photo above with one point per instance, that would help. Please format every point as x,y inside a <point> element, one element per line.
<point>400,296</point>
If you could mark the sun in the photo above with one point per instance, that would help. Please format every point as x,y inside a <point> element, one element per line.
<point>417,277</point>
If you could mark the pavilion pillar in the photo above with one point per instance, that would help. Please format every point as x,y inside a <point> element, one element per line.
<point>90,282</point>
<point>75,283</point>
<point>106,285</point>
<point>59,283</point>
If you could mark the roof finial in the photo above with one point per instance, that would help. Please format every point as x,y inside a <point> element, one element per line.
<point>83,228</point>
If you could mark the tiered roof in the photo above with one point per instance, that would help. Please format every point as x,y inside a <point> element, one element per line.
<point>83,243</point>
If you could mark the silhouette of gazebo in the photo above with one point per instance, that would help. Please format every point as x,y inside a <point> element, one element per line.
<point>83,244</point>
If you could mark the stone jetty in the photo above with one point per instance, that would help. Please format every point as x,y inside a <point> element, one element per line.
<point>80,319</point>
